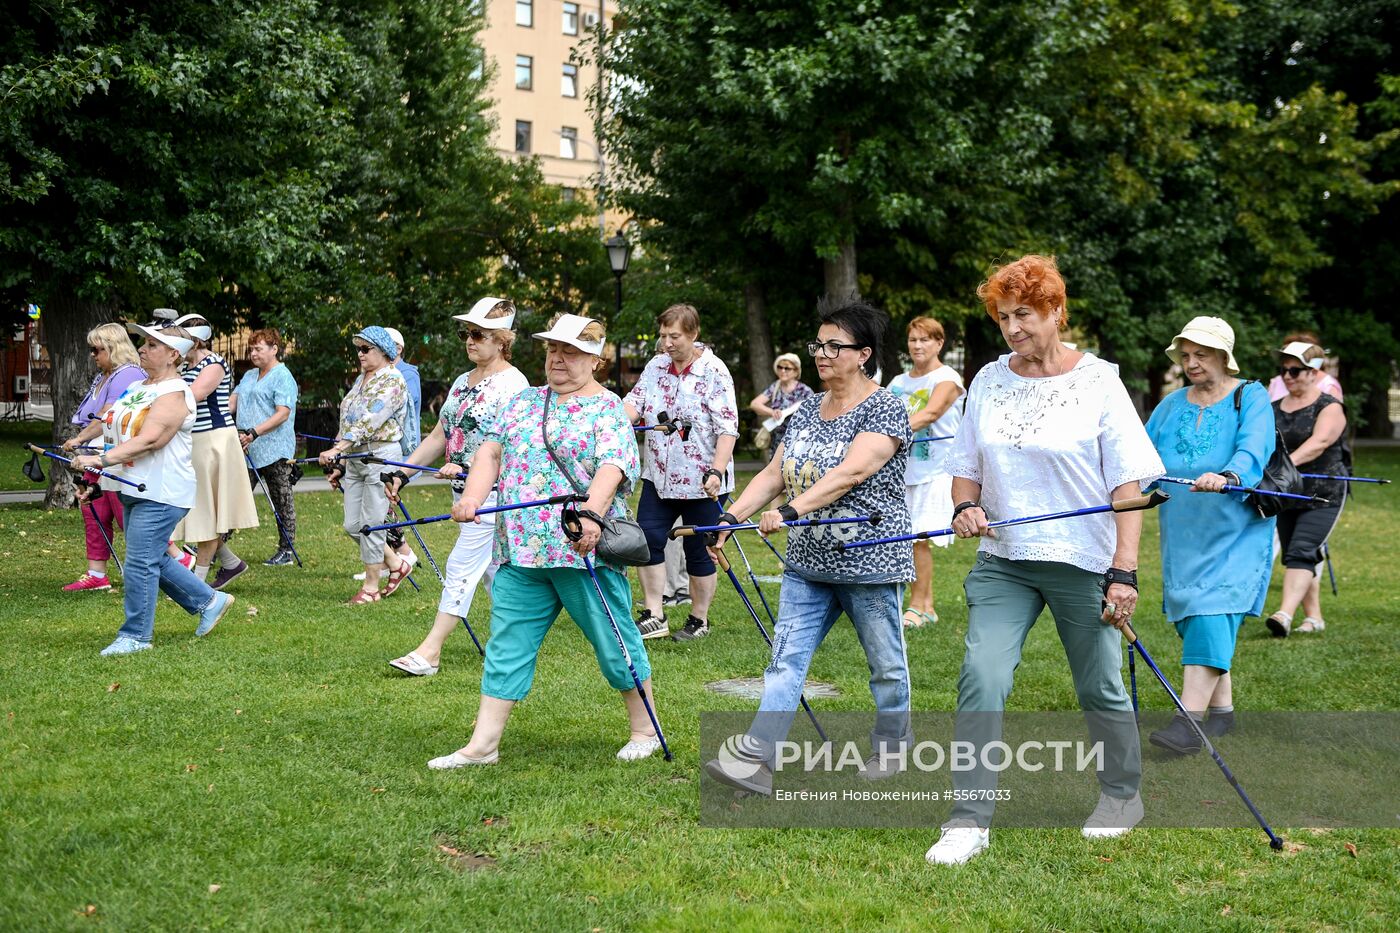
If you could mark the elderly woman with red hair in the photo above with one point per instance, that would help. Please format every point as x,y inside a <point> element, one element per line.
<point>1048,428</point>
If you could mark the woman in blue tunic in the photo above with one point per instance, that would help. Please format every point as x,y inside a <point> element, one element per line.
<point>1217,553</point>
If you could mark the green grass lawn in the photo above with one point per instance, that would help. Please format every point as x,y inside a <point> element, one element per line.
<point>273,775</point>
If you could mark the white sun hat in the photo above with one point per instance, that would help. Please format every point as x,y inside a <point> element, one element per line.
<point>395,336</point>
<point>567,330</point>
<point>1210,332</point>
<point>201,331</point>
<point>1298,348</point>
<point>182,345</point>
<point>477,315</point>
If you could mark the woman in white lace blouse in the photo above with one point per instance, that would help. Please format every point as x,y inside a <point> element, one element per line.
<point>1047,429</point>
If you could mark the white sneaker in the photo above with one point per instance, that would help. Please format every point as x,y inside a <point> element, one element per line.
<point>636,751</point>
<point>1114,816</point>
<point>359,576</point>
<point>960,842</point>
<point>125,644</point>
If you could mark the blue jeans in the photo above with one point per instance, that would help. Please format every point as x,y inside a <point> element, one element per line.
<point>806,612</point>
<point>148,527</point>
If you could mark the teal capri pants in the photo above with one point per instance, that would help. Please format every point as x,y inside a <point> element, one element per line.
<point>1209,640</point>
<point>525,601</point>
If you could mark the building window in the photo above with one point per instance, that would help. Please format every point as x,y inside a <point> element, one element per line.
<point>571,19</point>
<point>522,136</point>
<point>569,86</point>
<point>524,73</point>
<point>524,12</point>
<point>568,142</point>
<point>568,194</point>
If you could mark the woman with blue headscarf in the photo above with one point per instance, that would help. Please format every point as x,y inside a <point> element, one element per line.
<point>371,422</point>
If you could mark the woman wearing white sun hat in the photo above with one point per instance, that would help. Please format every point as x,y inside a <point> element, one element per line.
<point>541,572</point>
<point>472,404</point>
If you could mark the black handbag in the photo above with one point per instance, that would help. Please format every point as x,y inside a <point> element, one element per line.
<point>623,541</point>
<point>1280,475</point>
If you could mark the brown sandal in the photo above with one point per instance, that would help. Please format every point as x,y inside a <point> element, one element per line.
<point>396,577</point>
<point>364,596</point>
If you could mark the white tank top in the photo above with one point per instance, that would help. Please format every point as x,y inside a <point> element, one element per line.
<point>168,473</point>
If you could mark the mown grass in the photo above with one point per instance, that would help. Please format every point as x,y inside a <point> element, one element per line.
<point>282,760</point>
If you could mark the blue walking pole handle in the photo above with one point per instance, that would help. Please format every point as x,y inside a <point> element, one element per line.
<point>1135,504</point>
<point>429,519</point>
<point>140,487</point>
<point>683,531</point>
<point>1230,487</point>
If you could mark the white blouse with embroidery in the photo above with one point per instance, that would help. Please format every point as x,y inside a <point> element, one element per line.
<point>1052,444</point>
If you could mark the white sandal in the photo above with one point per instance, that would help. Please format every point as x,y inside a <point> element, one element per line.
<point>1279,624</point>
<point>413,663</point>
<point>637,750</point>
<point>1310,625</point>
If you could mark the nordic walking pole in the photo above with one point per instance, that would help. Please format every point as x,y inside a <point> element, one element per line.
<point>1135,504</point>
<point>681,531</point>
<point>447,516</point>
<point>626,656</point>
<point>318,459</point>
<point>1331,575</point>
<point>429,554</point>
<point>103,531</point>
<point>925,440</point>
<point>734,579</point>
<point>1230,487</point>
<point>1134,642</point>
<point>1346,479</point>
<point>262,484</point>
<point>1132,679</point>
<point>140,487</point>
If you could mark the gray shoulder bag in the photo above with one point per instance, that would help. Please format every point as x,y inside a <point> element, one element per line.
<point>623,541</point>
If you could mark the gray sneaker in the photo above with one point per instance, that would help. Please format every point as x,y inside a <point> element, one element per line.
<point>694,628</point>
<point>739,771</point>
<point>652,626</point>
<point>282,558</point>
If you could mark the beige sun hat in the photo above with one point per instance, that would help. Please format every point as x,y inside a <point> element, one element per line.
<point>568,329</point>
<point>181,345</point>
<point>1210,332</point>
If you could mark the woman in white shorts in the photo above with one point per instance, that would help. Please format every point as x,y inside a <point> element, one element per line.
<point>931,392</point>
<point>473,403</point>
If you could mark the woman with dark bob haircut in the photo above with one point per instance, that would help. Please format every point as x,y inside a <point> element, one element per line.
<point>843,455</point>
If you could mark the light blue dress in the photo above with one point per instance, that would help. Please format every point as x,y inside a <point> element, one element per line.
<point>1217,553</point>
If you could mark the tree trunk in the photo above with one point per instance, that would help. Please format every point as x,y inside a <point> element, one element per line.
<point>840,274</point>
<point>760,337</point>
<point>67,320</point>
<point>1376,409</point>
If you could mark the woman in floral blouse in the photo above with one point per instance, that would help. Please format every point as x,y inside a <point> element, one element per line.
<point>371,416</point>
<point>540,572</point>
<point>473,403</point>
<point>782,397</point>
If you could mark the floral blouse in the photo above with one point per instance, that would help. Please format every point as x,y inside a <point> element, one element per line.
<point>587,433</point>
<point>471,409</point>
<point>372,411</point>
<point>702,395</point>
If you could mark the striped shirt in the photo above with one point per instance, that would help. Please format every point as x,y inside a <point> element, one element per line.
<point>212,413</point>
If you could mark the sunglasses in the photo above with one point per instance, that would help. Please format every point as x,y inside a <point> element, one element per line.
<point>94,350</point>
<point>471,333</point>
<point>361,348</point>
<point>788,368</point>
<point>1293,372</point>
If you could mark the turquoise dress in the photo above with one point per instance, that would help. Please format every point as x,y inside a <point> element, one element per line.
<point>1217,553</point>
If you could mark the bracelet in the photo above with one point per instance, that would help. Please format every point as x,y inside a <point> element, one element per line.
<point>1114,575</point>
<point>788,513</point>
<point>964,506</point>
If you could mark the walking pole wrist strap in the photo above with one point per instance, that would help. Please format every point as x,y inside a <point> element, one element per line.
<point>1114,575</point>
<point>964,506</point>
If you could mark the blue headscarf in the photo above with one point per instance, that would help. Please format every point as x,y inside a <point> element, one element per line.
<point>380,339</point>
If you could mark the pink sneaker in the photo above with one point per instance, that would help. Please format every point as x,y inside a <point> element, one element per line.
<point>186,560</point>
<point>88,582</point>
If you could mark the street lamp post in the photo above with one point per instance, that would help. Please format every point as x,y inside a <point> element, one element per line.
<point>619,254</point>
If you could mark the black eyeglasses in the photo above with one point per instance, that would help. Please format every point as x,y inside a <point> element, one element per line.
<point>471,333</point>
<point>1293,372</point>
<point>361,349</point>
<point>832,348</point>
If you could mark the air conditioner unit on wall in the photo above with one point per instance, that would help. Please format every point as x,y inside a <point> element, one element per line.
<point>590,19</point>
<point>21,385</point>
